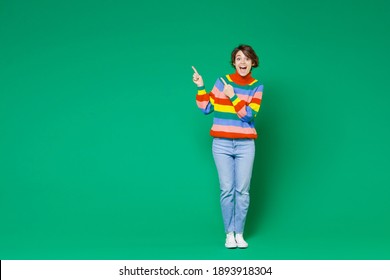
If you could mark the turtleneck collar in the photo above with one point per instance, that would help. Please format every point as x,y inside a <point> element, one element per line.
<point>238,79</point>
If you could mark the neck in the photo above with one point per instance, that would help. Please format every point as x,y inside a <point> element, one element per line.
<point>238,79</point>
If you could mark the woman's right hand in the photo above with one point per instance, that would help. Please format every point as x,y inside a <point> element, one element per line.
<point>196,78</point>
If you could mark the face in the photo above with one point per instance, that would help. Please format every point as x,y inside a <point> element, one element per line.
<point>243,64</point>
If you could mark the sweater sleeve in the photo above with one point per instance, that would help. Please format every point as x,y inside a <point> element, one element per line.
<point>247,112</point>
<point>205,101</point>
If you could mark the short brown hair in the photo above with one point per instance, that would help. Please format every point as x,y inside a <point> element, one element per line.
<point>248,51</point>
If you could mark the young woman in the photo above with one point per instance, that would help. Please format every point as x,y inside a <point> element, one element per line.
<point>235,101</point>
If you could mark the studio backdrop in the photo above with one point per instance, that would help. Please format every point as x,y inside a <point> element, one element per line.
<point>104,154</point>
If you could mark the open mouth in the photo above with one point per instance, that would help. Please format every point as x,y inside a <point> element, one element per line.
<point>243,67</point>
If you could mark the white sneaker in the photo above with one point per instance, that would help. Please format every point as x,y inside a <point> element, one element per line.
<point>241,243</point>
<point>230,242</point>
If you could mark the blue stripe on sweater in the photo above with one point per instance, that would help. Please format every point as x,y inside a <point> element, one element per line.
<point>237,123</point>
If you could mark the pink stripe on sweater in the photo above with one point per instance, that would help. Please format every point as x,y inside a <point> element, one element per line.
<point>235,129</point>
<point>218,93</point>
<point>202,104</point>
<point>258,94</point>
<point>242,112</point>
<point>248,98</point>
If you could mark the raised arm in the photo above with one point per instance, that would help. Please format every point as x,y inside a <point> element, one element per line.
<point>204,100</point>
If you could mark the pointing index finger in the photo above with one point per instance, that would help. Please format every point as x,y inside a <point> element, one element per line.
<point>193,68</point>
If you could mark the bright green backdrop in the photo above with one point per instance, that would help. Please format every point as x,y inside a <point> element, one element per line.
<point>104,154</point>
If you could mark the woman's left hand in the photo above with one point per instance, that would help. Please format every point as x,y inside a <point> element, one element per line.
<point>228,89</point>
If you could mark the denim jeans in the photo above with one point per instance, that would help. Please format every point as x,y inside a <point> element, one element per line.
<point>234,161</point>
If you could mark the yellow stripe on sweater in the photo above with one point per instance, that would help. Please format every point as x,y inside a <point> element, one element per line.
<point>202,92</point>
<point>224,108</point>
<point>254,106</point>
<point>236,101</point>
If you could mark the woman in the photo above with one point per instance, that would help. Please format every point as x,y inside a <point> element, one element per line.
<point>235,100</point>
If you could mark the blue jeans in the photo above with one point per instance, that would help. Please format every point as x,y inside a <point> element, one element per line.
<point>234,160</point>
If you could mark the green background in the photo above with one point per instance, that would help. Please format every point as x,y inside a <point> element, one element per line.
<point>104,154</point>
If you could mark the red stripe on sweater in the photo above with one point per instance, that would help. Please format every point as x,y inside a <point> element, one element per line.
<point>222,134</point>
<point>222,101</point>
<point>256,100</point>
<point>203,97</point>
<point>239,106</point>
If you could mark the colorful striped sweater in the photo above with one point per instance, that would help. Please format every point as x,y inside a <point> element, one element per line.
<point>233,117</point>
